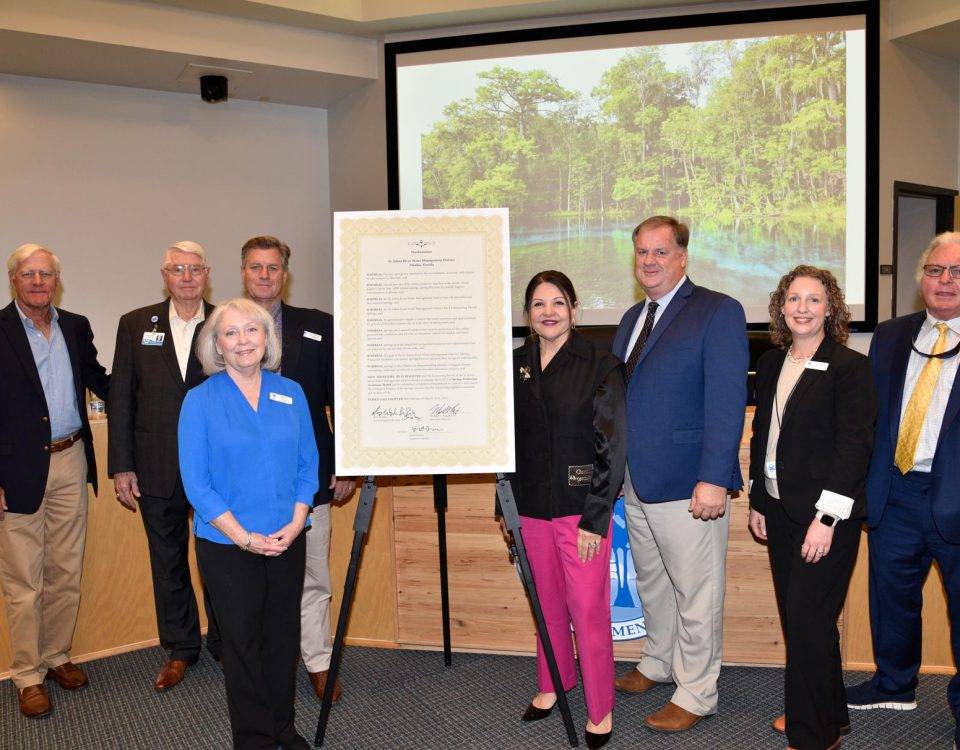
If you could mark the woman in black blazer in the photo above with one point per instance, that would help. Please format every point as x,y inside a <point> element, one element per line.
<point>811,445</point>
<point>571,451</point>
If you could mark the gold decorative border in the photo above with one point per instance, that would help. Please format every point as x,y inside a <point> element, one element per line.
<point>372,460</point>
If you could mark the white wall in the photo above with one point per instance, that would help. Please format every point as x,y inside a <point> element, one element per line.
<point>358,148</point>
<point>919,130</point>
<point>108,177</point>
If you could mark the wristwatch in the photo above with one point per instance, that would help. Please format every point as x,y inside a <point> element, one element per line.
<point>826,519</point>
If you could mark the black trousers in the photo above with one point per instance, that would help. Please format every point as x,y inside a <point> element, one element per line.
<point>810,597</point>
<point>167,523</point>
<point>257,601</point>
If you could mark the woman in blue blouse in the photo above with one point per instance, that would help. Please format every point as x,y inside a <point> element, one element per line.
<point>249,464</point>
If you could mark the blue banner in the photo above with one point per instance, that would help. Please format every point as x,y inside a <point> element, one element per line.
<point>626,611</point>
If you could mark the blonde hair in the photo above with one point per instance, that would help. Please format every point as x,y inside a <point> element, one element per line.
<point>23,252</point>
<point>184,246</point>
<point>211,360</point>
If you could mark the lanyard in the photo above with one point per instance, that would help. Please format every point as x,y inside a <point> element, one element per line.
<point>776,400</point>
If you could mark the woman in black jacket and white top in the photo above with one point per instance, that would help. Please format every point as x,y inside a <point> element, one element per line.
<point>809,454</point>
<point>571,451</point>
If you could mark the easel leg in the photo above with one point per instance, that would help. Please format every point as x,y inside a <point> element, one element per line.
<point>511,518</point>
<point>440,504</point>
<point>361,525</point>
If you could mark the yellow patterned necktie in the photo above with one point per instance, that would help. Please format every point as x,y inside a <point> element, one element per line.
<point>912,422</point>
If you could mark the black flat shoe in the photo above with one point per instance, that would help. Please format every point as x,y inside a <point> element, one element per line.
<point>595,740</point>
<point>535,714</point>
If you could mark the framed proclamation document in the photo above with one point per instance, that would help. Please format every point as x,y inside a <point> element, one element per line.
<point>422,344</point>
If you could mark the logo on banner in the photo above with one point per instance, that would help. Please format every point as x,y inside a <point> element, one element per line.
<point>626,611</point>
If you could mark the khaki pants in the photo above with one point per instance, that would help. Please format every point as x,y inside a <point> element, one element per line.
<point>41,558</point>
<point>680,562</point>
<point>315,645</point>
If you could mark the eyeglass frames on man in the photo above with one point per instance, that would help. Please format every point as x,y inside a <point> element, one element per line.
<point>935,271</point>
<point>179,269</point>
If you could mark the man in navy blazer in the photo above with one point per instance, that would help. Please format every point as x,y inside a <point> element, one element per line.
<point>687,358</point>
<point>47,360</point>
<point>913,486</point>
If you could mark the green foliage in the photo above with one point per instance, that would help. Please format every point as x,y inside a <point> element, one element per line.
<point>751,128</point>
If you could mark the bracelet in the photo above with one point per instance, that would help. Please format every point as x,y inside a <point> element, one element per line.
<point>246,547</point>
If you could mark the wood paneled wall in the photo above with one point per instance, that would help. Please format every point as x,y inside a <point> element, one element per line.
<point>489,610</point>
<point>116,606</point>
<point>397,601</point>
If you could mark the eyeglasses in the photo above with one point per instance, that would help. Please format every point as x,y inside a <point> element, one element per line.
<point>28,275</point>
<point>935,272</point>
<point>179,269</point>
<point>272,268</point>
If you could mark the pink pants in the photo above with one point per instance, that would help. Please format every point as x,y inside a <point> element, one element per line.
<point>571,590</point>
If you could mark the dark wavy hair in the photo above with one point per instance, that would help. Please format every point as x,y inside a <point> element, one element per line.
<point>837,323</point>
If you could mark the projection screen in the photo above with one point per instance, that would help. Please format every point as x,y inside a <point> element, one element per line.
<point>757,129</point>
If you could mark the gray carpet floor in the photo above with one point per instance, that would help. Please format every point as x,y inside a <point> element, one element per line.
<point>408,699</point>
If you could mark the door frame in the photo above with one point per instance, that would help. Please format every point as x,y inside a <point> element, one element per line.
<point>945,198</point>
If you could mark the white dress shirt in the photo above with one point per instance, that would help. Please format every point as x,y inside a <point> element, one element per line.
<point>929,434</point>
<point>182,332</point>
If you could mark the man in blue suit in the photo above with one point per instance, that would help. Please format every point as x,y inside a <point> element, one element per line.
<point>913,487</point>
<point>687,358</point>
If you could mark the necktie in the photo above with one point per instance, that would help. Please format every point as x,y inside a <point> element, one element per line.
<point>641,339</point>
<point>912,422</point>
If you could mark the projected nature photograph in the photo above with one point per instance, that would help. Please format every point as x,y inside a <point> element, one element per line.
<point>745,140</point>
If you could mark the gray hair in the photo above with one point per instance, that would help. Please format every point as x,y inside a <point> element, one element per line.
<point>23,252</point>
<point>184,246</point>
<point>211,360</point>
<point>944,238</point>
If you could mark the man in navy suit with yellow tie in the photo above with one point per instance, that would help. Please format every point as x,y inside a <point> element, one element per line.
<point>913,486</point>
<point>686,352</point>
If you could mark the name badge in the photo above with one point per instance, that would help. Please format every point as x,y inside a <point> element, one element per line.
<point>577,476</point>
<point>281,398</point>
<point>152,338</point>
<point>312,335</point>
<point>770,469</point>
<point>812,364</point>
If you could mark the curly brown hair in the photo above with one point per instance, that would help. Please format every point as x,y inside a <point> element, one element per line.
<point>837,325</point>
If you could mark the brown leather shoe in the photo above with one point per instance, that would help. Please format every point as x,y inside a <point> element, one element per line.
<point>671,718</point>
<point>33,701</point>
<point>68,676</point>
<point>637,682</point>
<point>780,725</point>
<point>170,674</point>
<point>319,680</point>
